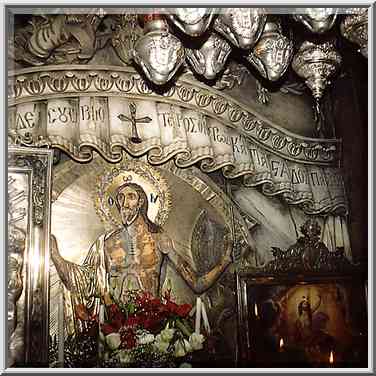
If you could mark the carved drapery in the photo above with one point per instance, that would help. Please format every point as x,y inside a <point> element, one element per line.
<point>82,110</point>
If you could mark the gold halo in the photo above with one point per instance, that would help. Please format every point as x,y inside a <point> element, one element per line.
<point>152,182</point>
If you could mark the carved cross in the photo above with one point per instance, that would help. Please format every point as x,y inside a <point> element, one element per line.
<point>135,138</point>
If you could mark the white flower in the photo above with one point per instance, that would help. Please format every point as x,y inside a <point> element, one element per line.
<point>196,340</point>
<point>185,365</point>
<point>113,340</point>
<point>161,345</point>
<point>125,356</point>
<point>145,338</point>
<point>101,337</point>
<point>167,334</point>
<point>182,347</point>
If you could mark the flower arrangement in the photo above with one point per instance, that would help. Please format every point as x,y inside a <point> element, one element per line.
<point>145,331</point>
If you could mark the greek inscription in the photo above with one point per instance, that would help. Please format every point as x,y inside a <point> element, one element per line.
<point>317,179</point>
<point>279,168</point>
<point>92,113</point>
<point>65,114</point>
<point>26,120</point>
<point>260,157</point>
<point>153,198</point>
<point>190,124</point>
<point>238,145</point>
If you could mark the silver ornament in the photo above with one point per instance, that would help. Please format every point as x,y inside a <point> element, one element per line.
<point>211,58</point>
<point>158,53</point>
<point>273,52</point>
<point>317,20</point>
<point>192,21</point>
<point>354,27</point>
<point>241,26</point>
<point>316,63</point>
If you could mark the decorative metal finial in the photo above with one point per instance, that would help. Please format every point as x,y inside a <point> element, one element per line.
<point>354,27</point>
<point>316,63</point>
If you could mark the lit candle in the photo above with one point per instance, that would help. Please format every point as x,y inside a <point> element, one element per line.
<point>256,310</point>
<point>281,344</point>
<point>60,328</point>
<point>198,316</point>
<point>331,358</point>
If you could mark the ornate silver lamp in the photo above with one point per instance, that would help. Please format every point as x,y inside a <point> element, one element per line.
<point>192,21</point>
<point>273,52</point>
<point>316,63</point>
<point>157,52</point>
<point>354,27</point>
<point>241,26</point>
<point>317,20</point>
<point>211,58</point>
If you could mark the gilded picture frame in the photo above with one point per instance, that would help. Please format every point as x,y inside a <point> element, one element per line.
<point>303,321</point>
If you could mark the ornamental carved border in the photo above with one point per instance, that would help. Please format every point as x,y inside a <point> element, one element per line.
<point>33,302</point>
<point>40,165</point>
<point>34,84</point>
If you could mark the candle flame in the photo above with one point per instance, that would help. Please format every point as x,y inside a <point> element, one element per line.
<point>331,358</point>
<point>281,343</point>
<point>256,310</point>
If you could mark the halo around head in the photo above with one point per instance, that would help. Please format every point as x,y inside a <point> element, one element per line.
<point>148,178</point>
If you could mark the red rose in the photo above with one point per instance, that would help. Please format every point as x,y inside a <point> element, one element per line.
<point>171,306</point>
<point>115,316</point>
<point>183,310</point>
<point>128,338</point>
<point>131,321</point>
<point>107,329</point>
<point>130,342</point>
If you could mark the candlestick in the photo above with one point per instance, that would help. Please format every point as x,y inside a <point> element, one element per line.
<point>60,328</point>
<point>198,316</point>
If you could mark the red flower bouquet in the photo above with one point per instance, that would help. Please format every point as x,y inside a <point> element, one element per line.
<point>146,328</point>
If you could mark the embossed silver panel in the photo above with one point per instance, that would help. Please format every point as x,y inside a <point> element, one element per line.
<point>272,53</point>
<point>29,184</point>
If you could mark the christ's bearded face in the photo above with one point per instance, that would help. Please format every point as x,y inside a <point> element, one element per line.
<point>130,203</point>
